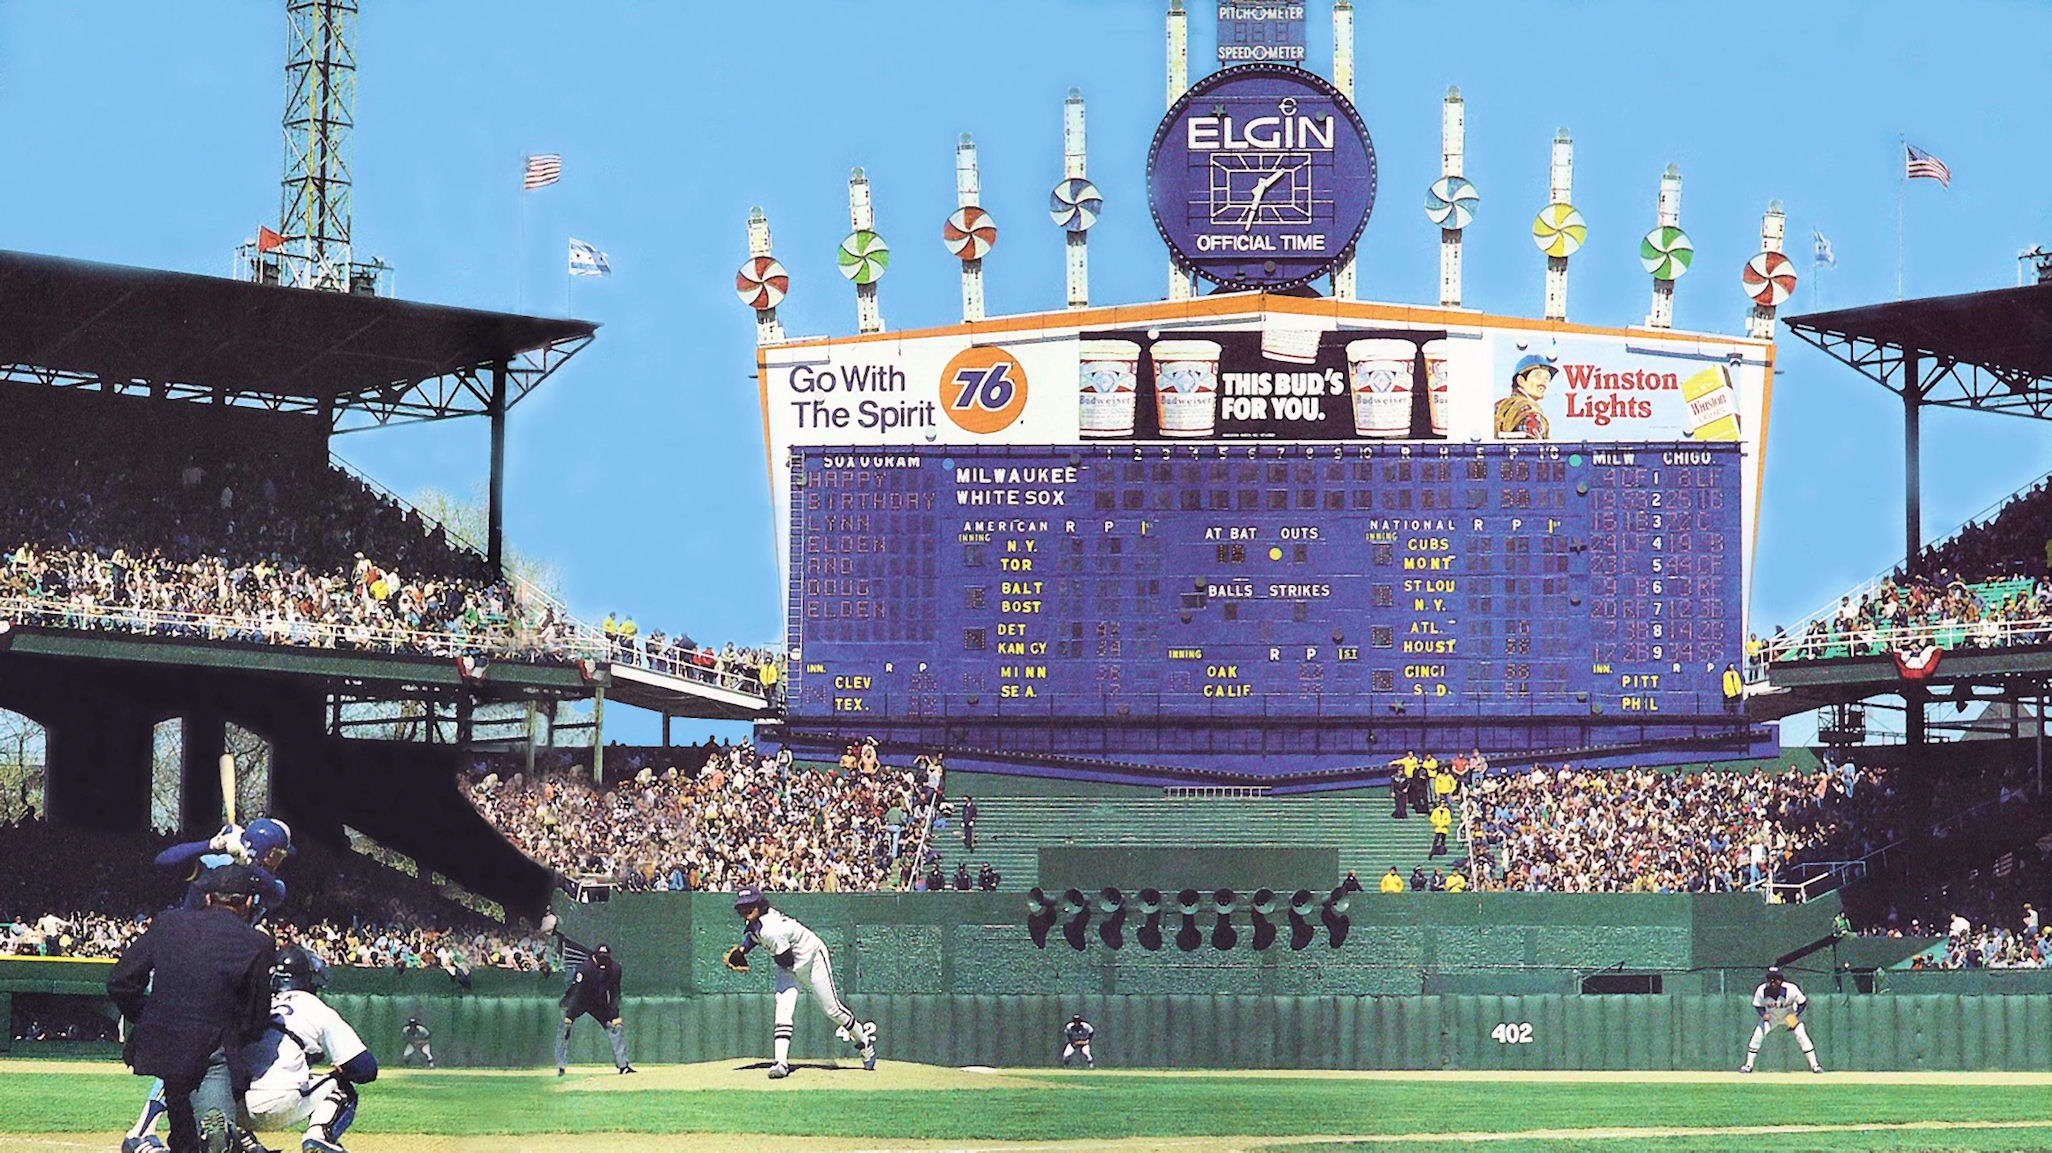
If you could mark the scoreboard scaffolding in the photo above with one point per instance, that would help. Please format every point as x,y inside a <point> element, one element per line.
<point>1266,609</point>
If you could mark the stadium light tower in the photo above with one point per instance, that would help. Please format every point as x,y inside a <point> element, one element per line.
<point>313,248</point>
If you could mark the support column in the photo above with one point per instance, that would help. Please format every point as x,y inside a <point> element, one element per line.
<point>2038,745</point>
<point>533,724</point>
<point>1914,702</point>
<point>598,735</point>
<point>495,512</point>
<point>1912,486</point>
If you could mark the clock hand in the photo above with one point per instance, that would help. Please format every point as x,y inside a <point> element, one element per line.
<point>1260,193</point>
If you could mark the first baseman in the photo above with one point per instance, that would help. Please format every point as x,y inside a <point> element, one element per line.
<point>1778,1001</point>
<point>800,955</point>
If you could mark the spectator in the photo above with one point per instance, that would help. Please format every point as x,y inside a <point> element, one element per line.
<point>1442,824</point>
<point>968,823</point>
<point>1392,881</point>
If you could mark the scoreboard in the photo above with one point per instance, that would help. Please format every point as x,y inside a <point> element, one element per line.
<point>1221,583</point>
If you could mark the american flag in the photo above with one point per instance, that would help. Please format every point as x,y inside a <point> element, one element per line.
<point>1918,162</point>
<point>542,171</point>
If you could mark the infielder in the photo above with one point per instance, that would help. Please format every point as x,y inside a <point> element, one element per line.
<point>800,955</point>
<point>417,1042</point>
<point>283,1092</point>
<point>1076,1037</point>
<point>1779,1001</point>
<point>263,845</point>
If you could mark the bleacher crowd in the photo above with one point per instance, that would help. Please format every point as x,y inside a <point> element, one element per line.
<point>1909,612</point>
<point>739,817</point>
<point>259,548</point>
<point>409,944</point>
<point>1642,830</point>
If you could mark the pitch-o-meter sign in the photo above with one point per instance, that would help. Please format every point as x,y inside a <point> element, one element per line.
<point>1261,176</point>
<point>1258,32</point>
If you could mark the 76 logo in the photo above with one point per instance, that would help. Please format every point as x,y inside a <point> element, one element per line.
<point>983,389</point>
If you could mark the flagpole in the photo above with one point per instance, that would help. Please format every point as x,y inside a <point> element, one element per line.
<point>520,257</point>
<point>1901,182</point>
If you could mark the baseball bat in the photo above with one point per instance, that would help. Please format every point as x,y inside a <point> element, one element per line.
<point>228,787</point>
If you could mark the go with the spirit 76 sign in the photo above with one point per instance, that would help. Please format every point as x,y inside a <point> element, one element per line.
<point>1261,176</point>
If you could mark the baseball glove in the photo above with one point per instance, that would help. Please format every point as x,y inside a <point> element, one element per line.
<point>737,959</point>
<point>1791,1021</point>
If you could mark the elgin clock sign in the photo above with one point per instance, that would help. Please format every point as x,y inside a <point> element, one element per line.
<point>1262,176</point>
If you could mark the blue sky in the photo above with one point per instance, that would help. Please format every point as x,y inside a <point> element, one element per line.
<point>148,133</point>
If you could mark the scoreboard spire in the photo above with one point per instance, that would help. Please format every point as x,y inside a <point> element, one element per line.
<point>1450,203</point>
<point>1666,251</point>
<point>1559,229</point>
<point>1344,280</point>
<point>970,232</point>
<point>864,256</point>
<point>1182,282</point>
<point>762,282</point>
<point>1075,202</point>
<point>1769,278</point>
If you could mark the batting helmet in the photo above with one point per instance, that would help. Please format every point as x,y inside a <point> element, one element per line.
<point>1773,974</point>
<point>298,969</point>
<point>265,834</point>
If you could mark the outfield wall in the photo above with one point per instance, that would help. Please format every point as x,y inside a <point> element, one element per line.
<point>1924,1032</point>
<point>1396,944</point>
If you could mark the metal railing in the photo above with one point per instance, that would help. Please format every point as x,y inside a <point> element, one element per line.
<point>1864,642</point>
<point>700,666</point>
<point>1214,792</point>
<point>515,641</point>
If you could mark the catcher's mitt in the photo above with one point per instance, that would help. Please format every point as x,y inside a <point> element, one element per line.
<point>1791,1021</point>
<point>737,959</point>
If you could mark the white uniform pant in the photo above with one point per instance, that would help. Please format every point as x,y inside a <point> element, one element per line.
<point>816,973</point>
<point>1077,1048</point>
<point>276,1110</point>
<point>1802,1036</point>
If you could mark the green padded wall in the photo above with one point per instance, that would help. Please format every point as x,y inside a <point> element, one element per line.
<point>1934,1032</point>
<point>936,943</point>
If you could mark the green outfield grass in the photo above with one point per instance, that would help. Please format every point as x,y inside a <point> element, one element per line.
<point>79,1106</point>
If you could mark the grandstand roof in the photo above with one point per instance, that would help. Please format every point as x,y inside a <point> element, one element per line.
<point>1983,350</point>
<point>356,360</point>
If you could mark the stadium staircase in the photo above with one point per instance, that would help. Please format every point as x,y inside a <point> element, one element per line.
<point>1011,831</point>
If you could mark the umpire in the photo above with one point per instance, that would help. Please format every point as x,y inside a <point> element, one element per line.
<point>595,991</point>
<point>196,987</point>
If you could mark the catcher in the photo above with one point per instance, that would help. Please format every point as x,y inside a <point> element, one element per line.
<point>1779,1002</point>
<point>800,956</point>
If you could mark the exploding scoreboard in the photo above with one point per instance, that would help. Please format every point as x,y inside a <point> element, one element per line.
<point>1262,581</point>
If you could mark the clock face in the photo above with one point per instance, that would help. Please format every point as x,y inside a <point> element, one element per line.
<point>1260,188</point>
<point>1262,176</point>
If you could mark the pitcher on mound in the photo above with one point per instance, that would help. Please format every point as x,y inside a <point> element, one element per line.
<point>802,960</point>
